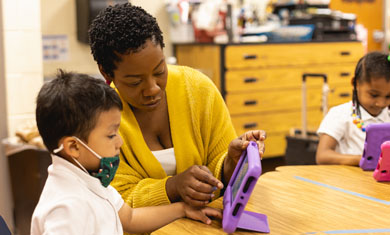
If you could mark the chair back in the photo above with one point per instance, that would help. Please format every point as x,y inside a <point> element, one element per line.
<point>4,230</point>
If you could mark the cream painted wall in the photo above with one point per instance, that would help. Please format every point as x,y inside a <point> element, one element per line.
<point>59,18</point>
<point>22,56</point>
<point>23,59</point>
<point>157,9</point>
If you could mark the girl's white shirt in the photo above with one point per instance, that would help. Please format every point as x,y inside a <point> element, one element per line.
<point>338,123</point>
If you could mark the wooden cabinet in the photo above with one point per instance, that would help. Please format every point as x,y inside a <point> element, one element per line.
<point>28,171</point>
<point>261,83</point>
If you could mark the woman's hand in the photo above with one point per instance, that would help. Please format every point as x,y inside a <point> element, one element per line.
<point>202,214</point>
<point>195,186</point>
<point>237,146</point>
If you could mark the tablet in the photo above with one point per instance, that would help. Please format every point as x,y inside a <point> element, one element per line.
<point>376,134</point>
<point>382,171</point>
<point>238,191</point>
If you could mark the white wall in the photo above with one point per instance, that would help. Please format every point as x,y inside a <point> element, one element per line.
<point>59,18</point>
<point>23,59</point>
<point>22,76</point>
<point>157,9</point>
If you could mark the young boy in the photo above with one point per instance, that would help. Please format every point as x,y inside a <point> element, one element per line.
<point>78,118</point>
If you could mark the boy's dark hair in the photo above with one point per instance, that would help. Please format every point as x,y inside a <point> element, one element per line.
<point>70,104</point>
<point>119,30</point>
<point>371,66</point>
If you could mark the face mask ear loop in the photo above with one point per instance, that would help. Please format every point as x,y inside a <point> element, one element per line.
<point>59,149</point>
<point>97,155</point>
<point>78,163</point>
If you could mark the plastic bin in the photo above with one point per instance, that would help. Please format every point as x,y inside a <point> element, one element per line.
<point>292,33</point>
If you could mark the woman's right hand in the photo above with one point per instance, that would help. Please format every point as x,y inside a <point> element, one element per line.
<point>195,186</point>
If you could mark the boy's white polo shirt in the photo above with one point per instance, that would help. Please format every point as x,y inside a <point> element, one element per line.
<point>338,123</point>
<point>73,202</point>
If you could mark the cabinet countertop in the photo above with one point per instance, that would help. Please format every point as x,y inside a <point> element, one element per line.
<point>259,43</point>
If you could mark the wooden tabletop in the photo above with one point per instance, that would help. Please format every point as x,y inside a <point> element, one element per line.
<point>314,199</point>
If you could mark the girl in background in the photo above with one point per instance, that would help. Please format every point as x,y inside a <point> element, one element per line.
<point>342,131</point>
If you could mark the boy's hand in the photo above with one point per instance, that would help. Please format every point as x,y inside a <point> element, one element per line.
<point>194,186</point>
<point>202,213</point>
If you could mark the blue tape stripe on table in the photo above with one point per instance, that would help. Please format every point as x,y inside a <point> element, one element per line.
<point>343,190</point>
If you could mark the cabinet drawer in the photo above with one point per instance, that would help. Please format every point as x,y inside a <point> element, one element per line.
<point>277,121</point>
<point>281,78</point>
<point>284,100</point>
<point>254,102</point>
<point>275,145</point>
<point>277,125</point>
<point>339,95</point>
<point>254,56</point>
<point>205,58</point>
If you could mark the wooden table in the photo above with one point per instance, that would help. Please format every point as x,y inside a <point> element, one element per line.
<point>315,199</point>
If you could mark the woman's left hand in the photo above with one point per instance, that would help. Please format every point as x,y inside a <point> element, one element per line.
<point>237,146</point>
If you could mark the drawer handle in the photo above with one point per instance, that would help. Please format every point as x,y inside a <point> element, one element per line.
<point>250,57</point>
<point>344,74</point>
<point>250,80</point>
<point>250,102</point>
<point>344,94</point>
<point>250,125</point>
<point>345,53</point>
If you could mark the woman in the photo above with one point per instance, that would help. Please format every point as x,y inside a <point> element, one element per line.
<point>179,141</point>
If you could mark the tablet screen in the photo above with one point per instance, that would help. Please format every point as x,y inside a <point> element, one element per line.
<point>240,177</point>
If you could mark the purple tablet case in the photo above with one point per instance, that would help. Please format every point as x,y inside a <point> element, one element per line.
<point>238,191</point>
<point>382,171</point>
<point>376,134</point>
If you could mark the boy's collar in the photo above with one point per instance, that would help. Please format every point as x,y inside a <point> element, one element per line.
<point>92,183</point>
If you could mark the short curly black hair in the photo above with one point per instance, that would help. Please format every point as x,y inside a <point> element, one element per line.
<point>119,30</point>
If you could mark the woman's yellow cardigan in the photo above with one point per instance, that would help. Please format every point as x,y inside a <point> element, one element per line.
<point>201,130</point>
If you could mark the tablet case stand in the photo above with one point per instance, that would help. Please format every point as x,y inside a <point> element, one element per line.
<point>253,221</point>
<point>382,171</point>
<point>376,134</point>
